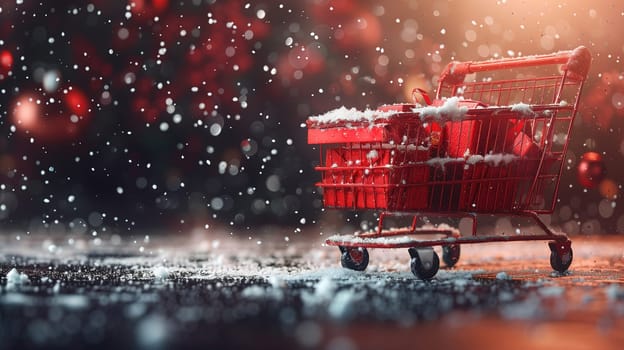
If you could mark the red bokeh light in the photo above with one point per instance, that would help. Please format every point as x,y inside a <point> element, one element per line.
<point>77,102</point>
<point>591,170</point>
<point>353,27</point>
<point>26,112</point>
<point>6,63</point>
<point>362,30</point>
<point>152,7</point>
<point>604,100</point>
<point>53,117</point>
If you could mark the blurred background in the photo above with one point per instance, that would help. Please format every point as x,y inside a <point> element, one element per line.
<point>177,115</point>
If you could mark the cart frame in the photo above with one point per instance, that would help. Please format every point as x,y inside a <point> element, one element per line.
<point>528,190</point>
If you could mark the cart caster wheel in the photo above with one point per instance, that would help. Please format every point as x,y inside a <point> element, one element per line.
<point>450,254</point>
<point>424,263</point>
<point>560,255</point>
<point>354,258</point>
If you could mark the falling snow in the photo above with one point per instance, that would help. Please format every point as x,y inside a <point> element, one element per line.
<point>122,118</point>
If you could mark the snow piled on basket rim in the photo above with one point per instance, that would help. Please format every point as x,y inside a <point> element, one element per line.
<point>522,108</point>
<point>344,114</point>
<point>450,109</point>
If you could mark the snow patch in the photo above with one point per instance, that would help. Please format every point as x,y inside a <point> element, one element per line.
<point>495,159</point>
<point>13,298</point>
<point>449,110</point>
<point>529,309</point>
<point>522,108</point>
<point>343,304</point>
<point>442,161</point>
<point>372,155</point>
<point>152,332</point>
<point>361,239</point>
<point>315,275</point>
<point>254,292</point>
<point>365,240</point>
<point>503,276</point>
<point>343,114</point>
<point>551,291</point>
<point>15,278</point>
<point>325,288</point>
<point>323,294</point>
<point>161,273</point>
<point>73,301</point>
<point>340,304</point>
<point>614,292</point>
<point>259,292</point>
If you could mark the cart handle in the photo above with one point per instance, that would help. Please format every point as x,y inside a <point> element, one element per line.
<point>575,62</point>
<point>423,94</point>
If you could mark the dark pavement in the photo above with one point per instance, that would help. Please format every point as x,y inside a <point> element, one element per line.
<point>210,290</point>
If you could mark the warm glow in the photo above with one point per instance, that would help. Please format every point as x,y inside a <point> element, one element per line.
<point>26,113</point>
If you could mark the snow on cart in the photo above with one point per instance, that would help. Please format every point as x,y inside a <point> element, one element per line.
<point>493,141</point>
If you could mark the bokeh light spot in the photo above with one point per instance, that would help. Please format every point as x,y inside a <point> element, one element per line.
<point>608,189</point>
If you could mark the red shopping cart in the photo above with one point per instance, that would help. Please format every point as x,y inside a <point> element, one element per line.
<point>493,141</point>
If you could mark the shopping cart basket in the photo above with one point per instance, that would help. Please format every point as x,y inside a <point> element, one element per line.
<point>493,141</point>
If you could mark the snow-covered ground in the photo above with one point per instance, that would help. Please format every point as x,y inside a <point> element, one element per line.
<point>211,289</point>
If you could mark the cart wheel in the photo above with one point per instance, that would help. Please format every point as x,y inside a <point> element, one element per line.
<point>560,255</point>
<point>424,263</point>
<point>354,258</point>
<point>450,254</point>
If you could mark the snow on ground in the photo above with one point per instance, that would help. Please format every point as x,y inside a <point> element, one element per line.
<point>161,273</point>
<point>15,278</point>
<point>178,285</point>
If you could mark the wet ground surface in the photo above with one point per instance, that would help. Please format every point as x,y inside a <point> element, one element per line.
<point>210,291</point>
